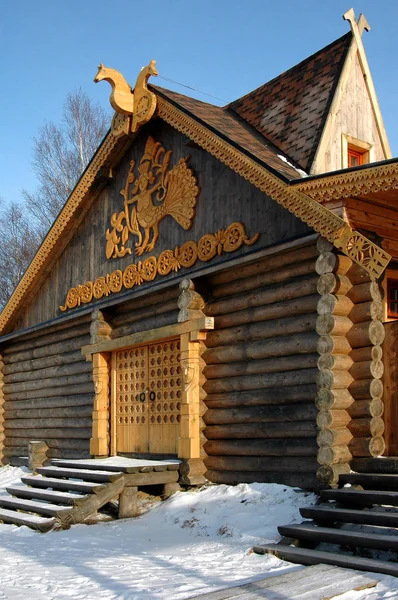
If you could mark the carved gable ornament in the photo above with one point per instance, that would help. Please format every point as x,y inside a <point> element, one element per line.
<point>152,191</point>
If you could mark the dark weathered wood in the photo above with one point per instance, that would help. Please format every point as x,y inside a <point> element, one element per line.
<point>365,334</point>
<point>80,432</point>
<point>328,514</point>
<point>67,412</point>
<point>69,345</point>
<point>375,465</point>
<point>253,367</point>
<point>367,311</point>
<point>296,478</point>
<point>47,339</point>
<point>261,414</point>
<point>277,395</point>
<point>128,503</point>
<point>284,447</point>
<point>33,521</point>
<point>42,384</point>
<point>50,392</point>
<point>252,382</point>
<point>56,497</point>
<point>360,497</point>
<point>74,369</point>
<point>15,424</point>
<point>156,320</point>
<point>40,508</point>
<point>62,484</point>
<point>83,508</point>
<point>366,408</point>
<point>84,474</point>
<point>253,463</point>
<point>261,431</point>
<point>41,363</point>
<point>306,556</point>
<point>373,481</point>
<point>48,403</point>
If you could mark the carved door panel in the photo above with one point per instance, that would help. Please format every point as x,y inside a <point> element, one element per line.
<point>148,386</point>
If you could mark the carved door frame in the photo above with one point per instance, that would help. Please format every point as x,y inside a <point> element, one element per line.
<point>191,335</point>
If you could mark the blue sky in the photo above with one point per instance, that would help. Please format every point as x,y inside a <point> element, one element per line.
<point>223,47</point>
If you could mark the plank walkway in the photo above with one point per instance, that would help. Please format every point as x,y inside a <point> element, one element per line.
<point>318,582</point>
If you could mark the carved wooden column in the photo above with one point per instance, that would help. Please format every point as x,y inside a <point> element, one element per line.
<point>190,445</point>
<point>2,436</point>
<point>100,330</point>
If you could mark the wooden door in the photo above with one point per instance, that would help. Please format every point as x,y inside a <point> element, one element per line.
<point>147,398</point>
<point>390,357</point>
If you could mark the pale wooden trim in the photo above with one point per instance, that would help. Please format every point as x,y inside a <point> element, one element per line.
<point>112,412</point>
<point>99,442</point>
<point>348,140</point>
<point>146,337</point>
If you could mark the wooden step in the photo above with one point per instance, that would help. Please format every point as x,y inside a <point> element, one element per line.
<point>375,465</point>
<point>305,556</point>
<point>63,498</point>
<point>40,508</point>
<point>371,481</point>
<point>361,497</point>
<point>327,514</point>
<point>85,474</point>
<point>62,484</point>
<point>312,533</point>
<point>134,465</point>
<point>32,521</point>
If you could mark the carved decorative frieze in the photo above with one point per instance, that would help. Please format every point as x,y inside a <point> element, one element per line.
<point>224,240</point>
<point>156,192</point>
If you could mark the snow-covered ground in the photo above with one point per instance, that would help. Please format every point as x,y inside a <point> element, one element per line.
<point>193,543</point>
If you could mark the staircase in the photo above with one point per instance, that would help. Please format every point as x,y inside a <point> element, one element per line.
<point>346,520</point>
<point>67,492</point>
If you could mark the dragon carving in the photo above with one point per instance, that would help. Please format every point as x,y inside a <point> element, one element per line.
<point>156,192</point>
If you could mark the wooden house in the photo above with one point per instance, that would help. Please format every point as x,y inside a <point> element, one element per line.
<point>219,285</point>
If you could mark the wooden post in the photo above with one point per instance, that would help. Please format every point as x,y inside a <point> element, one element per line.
<point>37,453</point>
<point>190,447</point>
<point>128,502</point>
<point>99,442</point>
<point>2,436</point>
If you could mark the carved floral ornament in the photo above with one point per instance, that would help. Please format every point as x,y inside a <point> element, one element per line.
<point>157,191</point>
<point>210,245</point>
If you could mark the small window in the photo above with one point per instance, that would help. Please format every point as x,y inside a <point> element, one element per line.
<point>355,158</point>
<point>392,298</point>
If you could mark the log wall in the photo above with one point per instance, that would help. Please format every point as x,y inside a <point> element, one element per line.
<point>350,365</point>
<point>48,392</point>
<point>261,367</point>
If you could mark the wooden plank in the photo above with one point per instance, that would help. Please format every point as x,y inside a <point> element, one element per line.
<point>129,465</point>
<point>33,521</point>
<point>373,481</point>
<point>317,582</point>
<point>305,556</point>
<point>360,497</point>
<point>328,514</point>
<point>84,474</point>
<point>62,484</point>
<point>153,478</point>
<point>41,508</point>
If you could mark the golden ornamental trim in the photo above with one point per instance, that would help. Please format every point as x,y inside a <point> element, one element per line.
<point>186,255</point>
<point>367,254</point>
<point>156,192</point>
<point>345,185</point>
<point>61,223</point>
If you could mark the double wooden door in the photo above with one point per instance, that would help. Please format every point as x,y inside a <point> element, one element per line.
<point>146,398</point>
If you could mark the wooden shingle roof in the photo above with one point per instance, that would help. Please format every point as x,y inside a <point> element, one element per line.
<point>291,110</point>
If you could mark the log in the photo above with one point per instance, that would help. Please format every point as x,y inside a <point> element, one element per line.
<point>48,339</point>
<point>364,389</point>
<point>155,320</point>
<point>130,306</point>
<point>69,390</point>
<point>339,362</point>
<point>333,325</point>
<point>253,463</point>
<point>270,295</point>
<point>260,431</point>
<point>128,503</point>
<point>331,283</point>
<point>51,372</point>
<point>367,369</point>
<point>269,263</point>
<point>365,334</point>
<point>332,344</point>
<point>334,379</point>
<point>58,402</point>
<point>337,399</point>
<point>366,408</point>
<point>332,419</point>
<point>334,437</point>
<point>326,263</point>
<point>357,274</point>
<point>277,395</point>
<point>13,424</point>
<point>42,384</point>
<point>334,455</point>
<point>73,344</point>
<point>55,444</point>
<point>295,479</point>
<point>42,329</point>
<point>41,363</point>
<point>365,292</point>
<point>252,382</point>
<point>329,474</point>
<point>295,306</point>
<point>367,427</point>
<point>366,353</point>
<point>269,365</point>
<point>70,411</point>
<point>289,447</point>
<point>237,286</point>
<point>44,434</point>
<point>363,447</point>
<point>331,304</point>
<point>160,307</point>
<point>304,343</point>
<point>261,414</point>
<point>264,330</point>
<point>323,245</point>
<point>367,311</point>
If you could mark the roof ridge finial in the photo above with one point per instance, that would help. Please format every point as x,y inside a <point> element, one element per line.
<point>357,28</point>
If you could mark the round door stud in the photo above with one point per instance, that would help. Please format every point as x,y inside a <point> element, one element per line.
<point>142,397</point>
<point>152,396</point>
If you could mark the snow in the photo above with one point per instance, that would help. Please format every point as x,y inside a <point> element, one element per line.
<point>299,171</point>
<point>195,542</point>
